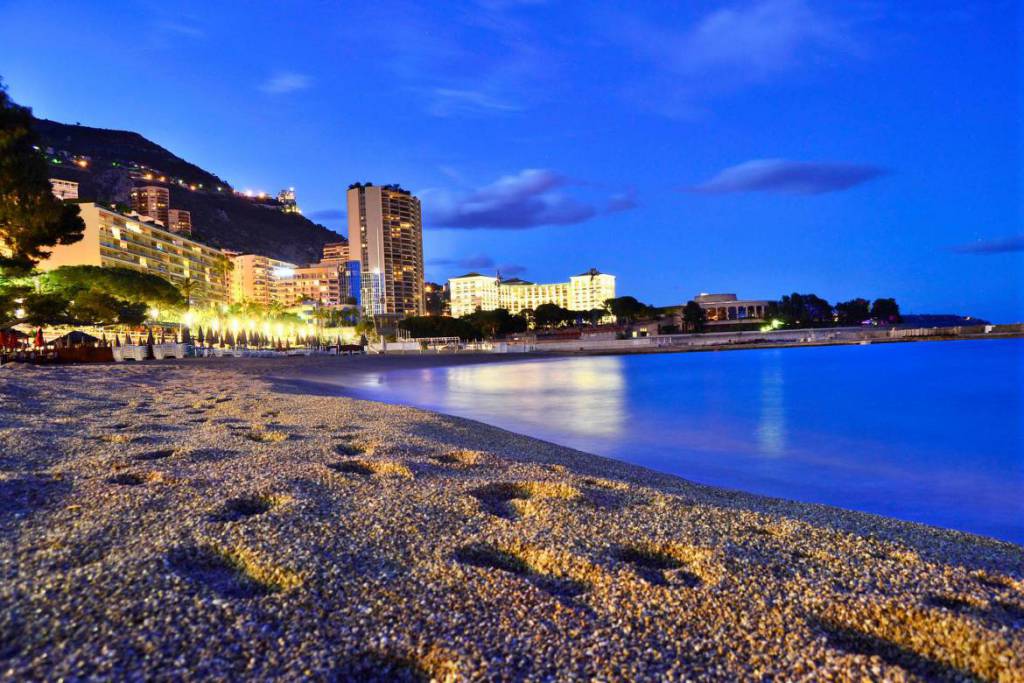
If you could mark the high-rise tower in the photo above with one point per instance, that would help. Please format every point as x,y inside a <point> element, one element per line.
<point>385,234</point>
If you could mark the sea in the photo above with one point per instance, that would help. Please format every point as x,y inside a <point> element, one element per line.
<point>929,432</point>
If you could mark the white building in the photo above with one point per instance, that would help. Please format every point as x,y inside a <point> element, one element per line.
<point>583,292</point>
<point>64,189</point>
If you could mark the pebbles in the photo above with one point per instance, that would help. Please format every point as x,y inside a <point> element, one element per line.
<point>351,539</point>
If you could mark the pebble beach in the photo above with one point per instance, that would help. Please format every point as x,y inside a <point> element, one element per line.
<point>231,519</point>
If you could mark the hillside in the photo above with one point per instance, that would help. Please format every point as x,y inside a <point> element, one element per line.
<point>220,219</point>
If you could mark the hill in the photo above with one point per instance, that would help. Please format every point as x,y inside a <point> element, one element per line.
<point>118,158</point>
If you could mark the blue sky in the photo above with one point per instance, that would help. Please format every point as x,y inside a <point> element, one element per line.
<point>868,148</point>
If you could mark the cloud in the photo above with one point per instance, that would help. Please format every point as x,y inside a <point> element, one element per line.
<point>528,199</point>
<point>181,28</point>
<point>452,101</point>
<point>285,82</point>
<point>789,177</point>
<point>327,215</point>
<point>478,262</point>
<point>1005,245</point>
<point>726,50</point>
<point>622,201</point>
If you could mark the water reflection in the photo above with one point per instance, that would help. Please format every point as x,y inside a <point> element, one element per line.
<point>584,396</point>
<point>771,428</point>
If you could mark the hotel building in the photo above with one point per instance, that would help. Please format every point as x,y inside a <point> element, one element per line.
<point>583,292</point>
<point>336,251</point>
<point>152,201</point>
<point>64,189</point>
<point>385,234</point>
<point>112,239</point>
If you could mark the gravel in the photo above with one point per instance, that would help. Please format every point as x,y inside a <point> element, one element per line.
<point>212,520</point>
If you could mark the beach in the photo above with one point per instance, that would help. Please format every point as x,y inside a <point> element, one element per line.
<point>234,518</point>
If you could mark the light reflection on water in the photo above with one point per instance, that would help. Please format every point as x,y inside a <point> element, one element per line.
<point>928,432</point>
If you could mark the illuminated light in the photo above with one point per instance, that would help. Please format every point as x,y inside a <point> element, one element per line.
<point>280,330</point>
<point>188,318</point>
<point>251,324</point>
<point>215,324</point>
<point>284,272</point>
<point>19,313</point>
<point>234,326</point>
<point>154,313</point>
<point>266,329</point>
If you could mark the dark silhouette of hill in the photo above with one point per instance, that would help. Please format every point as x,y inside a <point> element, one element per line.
<point>221,219</point>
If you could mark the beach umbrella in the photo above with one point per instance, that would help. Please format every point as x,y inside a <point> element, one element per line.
<point>128,339</point>
<point>149,345</point>
<point>243,340</point>
<point>39,337</point>
<point>117,341</point>
<point>163,338</point>
<point>103,340</point>
<point>199,336</point>
<point>175,337</point>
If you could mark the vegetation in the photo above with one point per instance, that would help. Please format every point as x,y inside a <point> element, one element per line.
<point>422,326</point>
<point>31,218</point>
<point>627,309</point>
<point>694,317</point>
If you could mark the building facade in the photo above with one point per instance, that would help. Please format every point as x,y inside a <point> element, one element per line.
<point>64,189</point>
<point>260,279</point>
<point>179,221</point>
<point>151,200</point>
<point>726,308</point>
<point>583,292</point>
<point>385,234</point>
<point>286,198</point>
<point>256,279</point>
<point>336,251</point>
<point>113,239</point>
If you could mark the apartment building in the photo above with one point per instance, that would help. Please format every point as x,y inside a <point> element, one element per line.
<point>113,239</point>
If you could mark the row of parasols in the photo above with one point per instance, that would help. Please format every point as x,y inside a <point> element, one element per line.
<point>15,339</point>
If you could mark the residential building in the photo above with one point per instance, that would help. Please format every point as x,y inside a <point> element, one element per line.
<point>727,309</point>
<point>336,251</point>
<point>179,221</point>
<point>152,201</point>
<point>257,279</point>
<point>64,189</point>
<point>113,239</point>
<point>582,292</point>
<point>264,280</point>
<point>385,234</point>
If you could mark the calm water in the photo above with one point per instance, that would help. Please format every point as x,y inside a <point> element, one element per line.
<point>929,432</point>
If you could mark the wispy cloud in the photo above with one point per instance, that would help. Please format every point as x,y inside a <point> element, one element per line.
<point>1006,245</point>
<point>327,215</point>
<point>528,199</point>
<point>789,177</point>
<point>283,82</point>
<point>451,101</point>
<point>181,28</point>
<point>726,50</point>
<point>621,201</point>
<point>480,262</point>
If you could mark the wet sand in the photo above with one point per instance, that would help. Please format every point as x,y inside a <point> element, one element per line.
<point>233,519</point>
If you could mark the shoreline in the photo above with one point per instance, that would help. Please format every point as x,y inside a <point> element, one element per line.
<point>284,532</point>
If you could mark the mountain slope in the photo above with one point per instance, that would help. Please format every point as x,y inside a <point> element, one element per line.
<point>220,219</point>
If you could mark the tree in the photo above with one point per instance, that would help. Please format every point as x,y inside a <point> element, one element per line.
<point>490,324</point>
<point>423,326</point>
<point>853,312</point>
<point>886,311</point>
<point>804,309</point>
<point>552,315</point>
<point>694,316</point>
<point>31,218</point>
<point>627,309</point>
<point>123,283</point>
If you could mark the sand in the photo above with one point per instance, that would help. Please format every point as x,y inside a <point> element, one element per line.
<point>213,519</point>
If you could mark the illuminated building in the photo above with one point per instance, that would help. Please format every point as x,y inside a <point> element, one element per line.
<point>64,189</point>
<point>256,279</point>
<point>582,292</point>
<point>336,251</point>
<point>113,239</point>
<point>152,201</point>
<point>385,235</point>
<point>726,308</point>
<point>260,279</point>
<point>286,198</point>
<point>179,221</point>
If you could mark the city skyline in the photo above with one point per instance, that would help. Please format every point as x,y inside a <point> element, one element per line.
<point>849,153</point>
